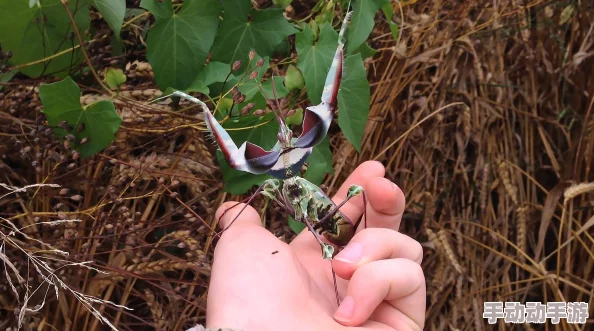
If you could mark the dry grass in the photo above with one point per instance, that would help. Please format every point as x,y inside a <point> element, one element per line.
<point>498,186</point>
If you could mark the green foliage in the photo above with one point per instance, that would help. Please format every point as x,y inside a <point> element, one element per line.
<point>320,163</point>
<point>362,22</point>
<point>179,42</point>
<point>394,27</point>
<point>114,77</point>
<point>98,122</point>
<point>243,29</point>
<point>213,72</point>
<point>40,31</point>
<point>353,101</point>
<point>315,58</point>
<point>294,79</point>
<point>113,12</point>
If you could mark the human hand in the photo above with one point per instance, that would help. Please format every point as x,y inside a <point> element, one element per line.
<point>380,281</point>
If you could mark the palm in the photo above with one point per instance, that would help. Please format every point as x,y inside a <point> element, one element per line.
<point>261,283</point>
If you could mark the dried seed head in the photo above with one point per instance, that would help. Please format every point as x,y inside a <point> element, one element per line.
<point>70,137</point>
<point>236,65</point>
<point>84,140</point>
<point>76,197</point>
<point>48,131</point>
<point>67,143</point>
<point>58,205</point>
<point>64,191</point>
<point>259,63</point>
<point>247,108</point>
<point>161,180</point>
<point>253,75</point>
<point>252,54</point>
<point>75,155</point>
<point>259,112</point>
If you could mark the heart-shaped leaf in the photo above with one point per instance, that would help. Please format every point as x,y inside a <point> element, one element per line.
<point>315,58</point>
<point>214,72</point>
<point>113,12</point>
<point>353,101</point>
<point>243,30</point>
<point>294,79</point>
<point>319,163</point>
<point>178,43</point>
<point>98,123</point>
<point>38,32</point>
<point>114,77</point>
<point>362,22</point>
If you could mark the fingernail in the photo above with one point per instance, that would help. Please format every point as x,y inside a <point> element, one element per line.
<point>345,311</point>
<point>351,253</point>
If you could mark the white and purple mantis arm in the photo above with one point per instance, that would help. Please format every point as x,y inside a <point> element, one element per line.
<point>316,121</point>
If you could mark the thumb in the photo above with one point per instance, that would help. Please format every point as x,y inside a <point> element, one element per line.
<point>237,214</point>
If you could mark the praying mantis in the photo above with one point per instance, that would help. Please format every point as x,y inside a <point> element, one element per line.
<point>303,200</point>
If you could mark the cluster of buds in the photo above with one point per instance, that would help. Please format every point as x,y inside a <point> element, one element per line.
<point>238,97</point>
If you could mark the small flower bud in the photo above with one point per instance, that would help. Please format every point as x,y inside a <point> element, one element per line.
<point>64,191</point>
<point>259,112</point>
<point>236,65</point>
<point>84,140</point>
<point>75,156</point>
<point>260,63</point>
<point>241,98</point>
<point>235,92</point>
<point>76,197</point>
<point>253,75</point>
<point>70,137</point>
<point>67,143</point>
<point>252,54</point>
<point>291,112</point>
<point>247,108</point>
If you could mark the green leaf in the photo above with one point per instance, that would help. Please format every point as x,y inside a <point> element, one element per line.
<point>315,58</point>
<point>294,79</point>
<point>178,43</point>
<point>214,72</point>
<point>353,101</point>
<point>100,121</point>
<point>365,50</point>
<point>295,119</point>
<point>6,77</point>
<point>319,163</point>
<point>114,77</point>
<point>250,88</point>
<point>37,32</point>
<point>113,12</point>
<point>242,30</point>
<point>297,227</point>
<point>282,3</point>
<point>362,22</point>
<point>394,27</point>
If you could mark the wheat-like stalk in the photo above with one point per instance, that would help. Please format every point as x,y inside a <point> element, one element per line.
<point>40,260</point>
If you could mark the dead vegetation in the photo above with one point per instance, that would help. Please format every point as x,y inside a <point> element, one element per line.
<point>498,186</point>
